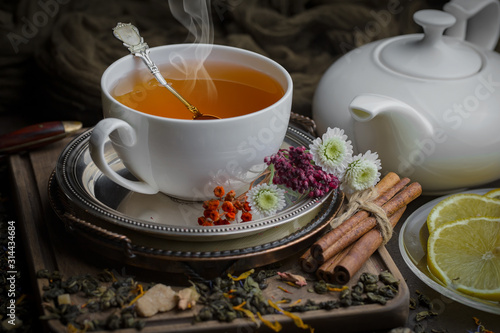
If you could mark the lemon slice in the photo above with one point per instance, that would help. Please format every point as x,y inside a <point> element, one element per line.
<point>460,206</point>
<point>465,255</point>
<point>493,194</point>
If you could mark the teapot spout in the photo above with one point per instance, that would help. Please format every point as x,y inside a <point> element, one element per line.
<point>365,107</point>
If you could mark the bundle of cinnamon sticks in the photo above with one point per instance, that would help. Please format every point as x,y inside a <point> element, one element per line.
<point>341,252</point>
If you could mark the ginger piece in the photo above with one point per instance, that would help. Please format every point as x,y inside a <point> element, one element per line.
<point>187,298</point>
<point>64,299</point>
<point>159,298</point>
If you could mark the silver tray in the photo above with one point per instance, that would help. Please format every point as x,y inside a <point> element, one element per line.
<point>114,244</point>
<point>90,194</point>
<point>412,244</point>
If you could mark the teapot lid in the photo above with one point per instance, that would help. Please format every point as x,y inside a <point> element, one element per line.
<point>432,56</point>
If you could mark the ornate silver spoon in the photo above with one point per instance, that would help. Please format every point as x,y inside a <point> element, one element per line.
<point>129,35</point>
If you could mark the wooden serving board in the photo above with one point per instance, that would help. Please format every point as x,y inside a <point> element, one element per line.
<point>48,245</point>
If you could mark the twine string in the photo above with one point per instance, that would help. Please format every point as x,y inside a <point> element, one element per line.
<point>363,200</point>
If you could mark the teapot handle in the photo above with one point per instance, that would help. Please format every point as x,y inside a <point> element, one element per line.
<point>478,21</point>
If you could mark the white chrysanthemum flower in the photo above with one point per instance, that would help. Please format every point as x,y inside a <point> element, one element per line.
<point>332,151</point>
<point>363,172</point>
<point>266,199</point>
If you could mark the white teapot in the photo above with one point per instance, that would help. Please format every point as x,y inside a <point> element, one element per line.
<point>429,104</point>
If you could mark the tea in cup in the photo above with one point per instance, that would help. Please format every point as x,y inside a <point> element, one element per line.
<point>159,143</point>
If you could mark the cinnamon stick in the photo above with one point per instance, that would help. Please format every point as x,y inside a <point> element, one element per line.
<point>351,236</point>
<point>385,184</point>
<point>361,251</point>
<point>349,231</point>
<point>390,207</point>
<point>308,263</point>
<point>325,271</point>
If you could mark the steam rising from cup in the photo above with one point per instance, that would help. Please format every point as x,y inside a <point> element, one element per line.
<point>195,16</point>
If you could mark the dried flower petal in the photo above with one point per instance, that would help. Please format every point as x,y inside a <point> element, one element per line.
<point>294,168</point>
<point>296,319</point>
<point>219,191</point>
<point>247,312</point>
<point>228,207</point>
<point>211,204</point>
<point>242,276</point>
<point>283,289</point>
<point>246,206</point>
<point>139,295</point>
<point>230,196</point>
<point>337,289</point>
<point>204,222</point>
<point>363,172</point>
<point>276,326</point>
<point>221,222</point>
<point>266,199</point>
<point>246,217</point>
<point>331,151</point>
<point>211,214</point>
<point>294,278</point>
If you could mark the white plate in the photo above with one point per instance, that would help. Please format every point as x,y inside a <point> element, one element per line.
<point>413,246</point>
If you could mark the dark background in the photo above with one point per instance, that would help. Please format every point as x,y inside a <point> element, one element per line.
<point>53,52</point>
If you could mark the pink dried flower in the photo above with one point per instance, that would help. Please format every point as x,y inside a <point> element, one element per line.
<point>294,168</point>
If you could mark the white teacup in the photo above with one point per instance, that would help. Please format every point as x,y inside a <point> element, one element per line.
<point>186,159</point>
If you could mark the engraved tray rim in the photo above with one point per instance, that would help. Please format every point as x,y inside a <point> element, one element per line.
<point>132,249</point>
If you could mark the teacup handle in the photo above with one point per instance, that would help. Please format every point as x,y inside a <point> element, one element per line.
<point>97,141</point>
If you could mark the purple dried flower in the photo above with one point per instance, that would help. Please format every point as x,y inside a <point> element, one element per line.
<point>293,168</point>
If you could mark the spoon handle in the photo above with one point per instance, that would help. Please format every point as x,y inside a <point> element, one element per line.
<point>129,35</point>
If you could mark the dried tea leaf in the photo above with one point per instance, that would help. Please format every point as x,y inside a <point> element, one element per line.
<point>424,314</point>
<point>253,288</point>
<point>387,278</point>
<point>413,303</point>
<point>320,287</point>
<point>424,300</point>
<point>419,328</point>
<point>374,298</point>
<point>368,278</point>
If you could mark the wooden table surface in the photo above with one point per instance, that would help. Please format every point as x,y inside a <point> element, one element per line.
<point>38,165</point>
